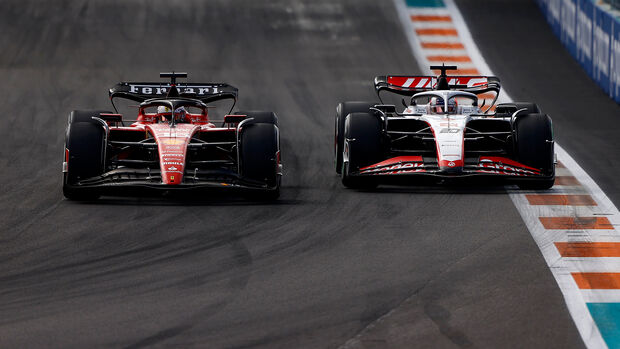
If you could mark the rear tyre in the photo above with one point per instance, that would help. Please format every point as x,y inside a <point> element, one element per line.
<point>259,156</point>
<point>342,110</point>
<point>362,147</point>
<point>535,148</point>
<point>85,141</point>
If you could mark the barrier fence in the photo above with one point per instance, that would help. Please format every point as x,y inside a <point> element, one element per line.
<point>614,3</point>
<point>592,35</point>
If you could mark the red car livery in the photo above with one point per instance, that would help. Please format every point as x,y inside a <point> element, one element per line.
<point>171,143</point>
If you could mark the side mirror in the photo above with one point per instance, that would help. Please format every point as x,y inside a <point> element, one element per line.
<point>234,119</point>
<point>111,117</point>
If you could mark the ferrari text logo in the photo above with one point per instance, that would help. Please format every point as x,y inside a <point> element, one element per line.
<point>163,89</point>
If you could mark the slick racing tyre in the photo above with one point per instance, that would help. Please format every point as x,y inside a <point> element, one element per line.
<point>259,156</point>
<point>85,142</point>
<point>342,110</point>
<point>362,147</point>
<point>535,148</point>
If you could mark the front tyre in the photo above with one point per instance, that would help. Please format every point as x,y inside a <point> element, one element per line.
<point>84,154</point>
<point>260,157</point>
<point>342,110</point>
<point>362,147</point>
<point>535,148</point>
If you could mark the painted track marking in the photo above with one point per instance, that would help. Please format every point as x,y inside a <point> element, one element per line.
<point>575,223</point>
<point>562,199</point>
<point>588,249</point>
<point>597,281</point>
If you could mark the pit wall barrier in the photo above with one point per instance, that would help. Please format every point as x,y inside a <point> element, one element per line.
<point>591,34</point>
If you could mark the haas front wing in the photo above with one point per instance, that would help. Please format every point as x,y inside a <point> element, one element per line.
<point>410,165</point>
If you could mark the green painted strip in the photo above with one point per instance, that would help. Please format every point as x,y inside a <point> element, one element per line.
<point>425,3</point>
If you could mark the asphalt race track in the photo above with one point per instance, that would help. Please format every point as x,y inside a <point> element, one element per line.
<point>437,266</point>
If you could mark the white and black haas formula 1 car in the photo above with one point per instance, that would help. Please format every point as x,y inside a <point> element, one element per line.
<point>443,133</point>
<point>171,143</point>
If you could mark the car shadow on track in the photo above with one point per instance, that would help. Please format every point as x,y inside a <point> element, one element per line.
<point>468,186</point>
<point>440,189</point>
<point>187,199</point>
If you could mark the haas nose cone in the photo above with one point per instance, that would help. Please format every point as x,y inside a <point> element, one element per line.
<point>449,141</point>
<point>451,166</point>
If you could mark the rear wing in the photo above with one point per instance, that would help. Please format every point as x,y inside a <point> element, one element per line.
<point>205,92</point>
<point>410,85</point>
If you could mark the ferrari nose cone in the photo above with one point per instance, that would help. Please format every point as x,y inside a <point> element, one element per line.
<point>174,179</point>
<point>172,144</point>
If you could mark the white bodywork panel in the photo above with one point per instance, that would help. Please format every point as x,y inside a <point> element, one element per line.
<point>448,129</point>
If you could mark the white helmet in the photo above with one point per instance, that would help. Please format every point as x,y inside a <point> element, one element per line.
<point>436,105</point>
<point>162,110</point>
<point>452,106</point>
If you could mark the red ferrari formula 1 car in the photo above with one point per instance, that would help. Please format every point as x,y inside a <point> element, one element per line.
<point>171,144</point>
<point>442,133</point>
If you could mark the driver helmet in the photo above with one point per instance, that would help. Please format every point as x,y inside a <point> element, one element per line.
<point>437,105</point>
<point>452,106</point>
<point>180,114</point>
<point>163,112</point>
